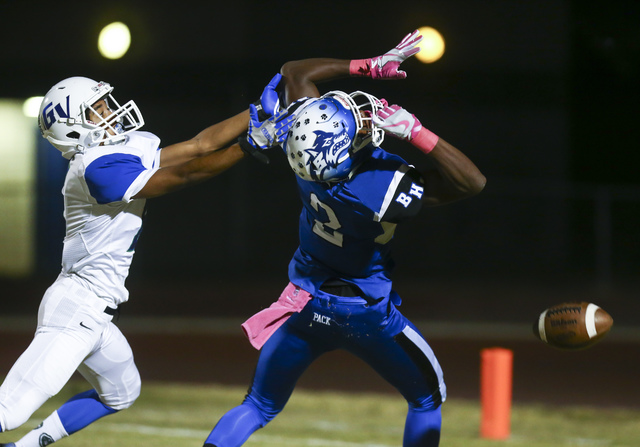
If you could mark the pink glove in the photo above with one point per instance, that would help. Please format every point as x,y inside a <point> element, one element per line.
<point>387,65</point>
<point>401,124</point>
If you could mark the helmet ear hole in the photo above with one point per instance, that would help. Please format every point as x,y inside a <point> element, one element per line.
<point>73,135</point>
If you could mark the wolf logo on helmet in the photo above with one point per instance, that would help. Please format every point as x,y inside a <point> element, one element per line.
<point>329,131</point>
<point>328,151</point>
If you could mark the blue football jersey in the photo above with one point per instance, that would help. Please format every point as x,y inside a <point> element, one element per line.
<point>346,227</point>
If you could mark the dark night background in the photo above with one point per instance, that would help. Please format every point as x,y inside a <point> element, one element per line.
<point>542,95</point>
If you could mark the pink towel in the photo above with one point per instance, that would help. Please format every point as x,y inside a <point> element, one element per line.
<point>262,325</point>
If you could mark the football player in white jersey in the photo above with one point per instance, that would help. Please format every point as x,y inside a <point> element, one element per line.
<point>113,168</point>
<point>340,293</point>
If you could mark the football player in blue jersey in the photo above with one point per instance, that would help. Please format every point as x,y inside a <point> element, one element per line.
<point>340,294</point>
<point>113,169</point>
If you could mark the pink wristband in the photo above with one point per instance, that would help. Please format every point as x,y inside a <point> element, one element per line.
<point>360,67</point>
<point>425,140</point>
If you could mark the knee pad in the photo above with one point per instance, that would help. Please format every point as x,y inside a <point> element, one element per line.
<point>124,394</point>
<point>267,409</point>
<point>426,403</point>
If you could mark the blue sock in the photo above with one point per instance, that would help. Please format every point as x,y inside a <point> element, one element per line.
<point>81,410</point>
<point>422,428</point>
<point>235,427</point>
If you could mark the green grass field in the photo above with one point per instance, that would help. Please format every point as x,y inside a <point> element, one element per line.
<point>180,415</point>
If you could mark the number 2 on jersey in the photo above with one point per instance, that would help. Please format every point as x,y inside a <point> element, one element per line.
<point>326,230</point>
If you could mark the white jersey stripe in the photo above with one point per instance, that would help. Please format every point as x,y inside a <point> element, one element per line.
<point>421,344</point>
<point>391,191</point>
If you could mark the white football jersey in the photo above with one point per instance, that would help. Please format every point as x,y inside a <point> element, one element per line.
<point>102,220</point>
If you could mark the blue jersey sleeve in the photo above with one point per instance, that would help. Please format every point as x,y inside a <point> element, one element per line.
<point>109,177</point>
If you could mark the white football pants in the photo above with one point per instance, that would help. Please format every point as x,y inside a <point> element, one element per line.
<point>74,333</point>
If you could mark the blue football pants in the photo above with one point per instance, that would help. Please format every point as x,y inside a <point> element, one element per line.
<point>378,334</point>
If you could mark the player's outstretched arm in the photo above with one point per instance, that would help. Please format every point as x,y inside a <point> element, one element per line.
<point>173,178</point>
<point>193,161</point>
<point>303,75</point>
<point>455,176</point>
<point>196,160</point>
<point>211,139</point>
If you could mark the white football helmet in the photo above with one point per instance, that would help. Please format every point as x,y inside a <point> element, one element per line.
<point>64,116</point>
<point>324,141</point>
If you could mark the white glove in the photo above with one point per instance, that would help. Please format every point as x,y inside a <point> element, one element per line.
<point>397,122</point>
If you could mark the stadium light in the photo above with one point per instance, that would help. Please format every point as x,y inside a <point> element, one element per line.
<point>432,45</point>
<point>114,40</point>
<point>31,106</point>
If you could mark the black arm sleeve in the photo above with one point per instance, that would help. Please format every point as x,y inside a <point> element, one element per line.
<point>407,197</point>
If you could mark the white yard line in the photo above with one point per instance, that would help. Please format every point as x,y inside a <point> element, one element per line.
<point>311,442</point>
<point>262,438</point>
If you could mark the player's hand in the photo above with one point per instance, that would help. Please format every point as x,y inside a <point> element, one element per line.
<point>263,135</point>
<point>387,66</point>
<point>271,132</point>
<point>397,122</point>
<point>269,105</point>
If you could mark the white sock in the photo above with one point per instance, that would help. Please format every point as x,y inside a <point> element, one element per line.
<point>50,431</point>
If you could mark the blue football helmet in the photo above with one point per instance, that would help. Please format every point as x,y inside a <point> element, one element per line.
<point>324,141</point>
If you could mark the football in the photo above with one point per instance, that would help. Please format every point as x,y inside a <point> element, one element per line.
<point>573,325</point>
